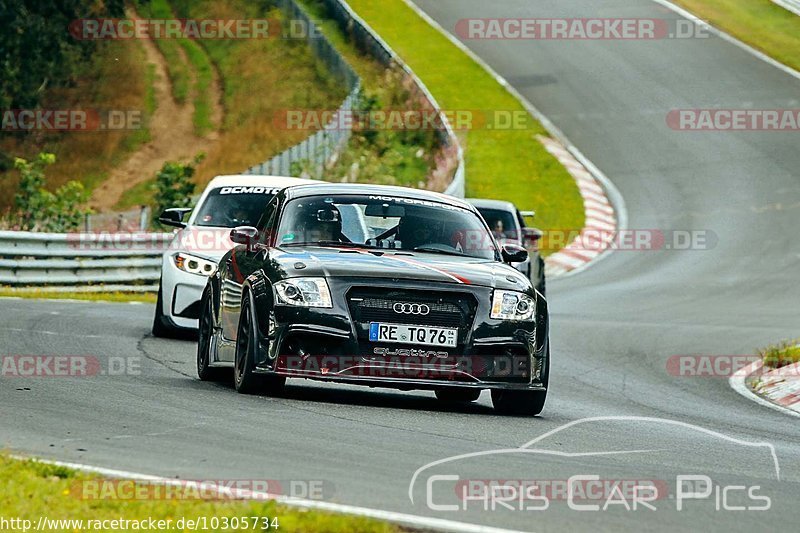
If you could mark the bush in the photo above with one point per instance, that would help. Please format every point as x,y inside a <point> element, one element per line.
<point>38,209</point>
<point>174,185</point>
<point>781,354</point>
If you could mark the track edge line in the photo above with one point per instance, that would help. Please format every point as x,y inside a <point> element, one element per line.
<point>403,519</point>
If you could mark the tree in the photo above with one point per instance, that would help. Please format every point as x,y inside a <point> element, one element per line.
<point>174,185</point>
<point>37,51</point>
<point>38,209</point>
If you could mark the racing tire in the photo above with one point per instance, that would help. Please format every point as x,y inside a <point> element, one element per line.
<point>245,379</point>
<point>161,327</point>
<point>205,371</point>
<point>521,403</point>
<point>457,395</point>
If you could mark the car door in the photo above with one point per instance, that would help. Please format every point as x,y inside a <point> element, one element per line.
<point>242,262</point>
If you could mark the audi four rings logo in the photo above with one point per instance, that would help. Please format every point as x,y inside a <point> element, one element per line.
<point>411,309</point>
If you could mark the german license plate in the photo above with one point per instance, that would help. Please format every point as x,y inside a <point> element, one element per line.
<point>405,334</point>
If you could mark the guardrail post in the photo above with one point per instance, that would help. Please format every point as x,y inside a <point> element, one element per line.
<point>144,215</point>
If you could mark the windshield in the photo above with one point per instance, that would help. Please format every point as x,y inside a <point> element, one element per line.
<point>502,223</point>
<point>228,207</point>
<point>387,222</point>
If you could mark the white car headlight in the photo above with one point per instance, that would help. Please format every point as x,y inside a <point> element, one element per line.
<point>512,305</point>
<point>194,265</point>
<point>304,292</point>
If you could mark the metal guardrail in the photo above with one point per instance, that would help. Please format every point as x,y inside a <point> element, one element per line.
<point>130,259</point>
<point>126,261</point>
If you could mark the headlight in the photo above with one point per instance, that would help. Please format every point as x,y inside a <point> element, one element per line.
<point>304,292</point>
<point>194,265</point>
<point>512,305</point>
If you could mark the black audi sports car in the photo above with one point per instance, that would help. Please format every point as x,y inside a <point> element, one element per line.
<point>380,286</point>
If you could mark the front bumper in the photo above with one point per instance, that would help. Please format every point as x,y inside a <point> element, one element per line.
<point>333,345</point>
<point>181,293</point>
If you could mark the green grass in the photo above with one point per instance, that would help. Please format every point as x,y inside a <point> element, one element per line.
<point>115,77</point>
<point>44,294</point>
<point>384,156</point>
<point>506,164</point>
<point>259,78</point>
<point>30,490</point>
<point>204,77</point>
<point>142,193</point>
<point>781,354</point>
<point>760,23</point>
<point>150,101</point>
<point>178,69</point>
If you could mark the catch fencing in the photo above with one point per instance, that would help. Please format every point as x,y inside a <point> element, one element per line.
<point>70,262</point>
<point>368,41</point>
<point>313,153</point>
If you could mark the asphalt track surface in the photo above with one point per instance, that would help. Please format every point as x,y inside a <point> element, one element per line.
<point>614,326</point>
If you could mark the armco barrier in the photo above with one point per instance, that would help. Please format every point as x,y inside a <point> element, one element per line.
<point>65,262</point>
<point>127,260</point>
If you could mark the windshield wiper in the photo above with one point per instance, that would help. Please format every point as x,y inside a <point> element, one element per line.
<point>331,243</point>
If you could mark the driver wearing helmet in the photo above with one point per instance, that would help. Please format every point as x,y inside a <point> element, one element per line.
<point>322,223</point>
<point>414,231</point>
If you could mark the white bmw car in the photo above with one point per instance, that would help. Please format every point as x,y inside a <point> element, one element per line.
<point>200,242</point>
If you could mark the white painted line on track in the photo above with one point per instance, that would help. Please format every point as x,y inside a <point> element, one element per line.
<point>71,300</point>
<point>728,37</point>
<point>559,145</point>
<point>408,520</point>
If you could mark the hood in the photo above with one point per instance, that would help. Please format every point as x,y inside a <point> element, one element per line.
<point>387,264</point>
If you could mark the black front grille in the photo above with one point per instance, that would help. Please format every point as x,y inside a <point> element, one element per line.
<point>451,310</point>
<point>382,310</point>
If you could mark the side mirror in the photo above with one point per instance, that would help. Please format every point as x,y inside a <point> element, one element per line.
<point>247,235</point>
<point>174,217</point>
<point>530,236</point>
<point>513,253</point>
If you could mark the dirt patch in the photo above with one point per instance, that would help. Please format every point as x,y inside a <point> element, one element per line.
<point>172,136</point>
